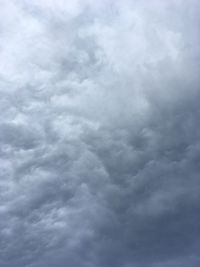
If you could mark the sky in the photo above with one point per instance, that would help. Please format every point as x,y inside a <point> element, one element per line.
<point>99,133</point>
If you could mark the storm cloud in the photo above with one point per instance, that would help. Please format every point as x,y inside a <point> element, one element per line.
<point>99,133</point>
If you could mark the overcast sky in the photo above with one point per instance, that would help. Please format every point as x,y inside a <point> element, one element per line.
<point>99,133</point>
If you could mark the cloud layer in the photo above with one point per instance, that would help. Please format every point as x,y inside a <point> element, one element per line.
<point>99,133</point>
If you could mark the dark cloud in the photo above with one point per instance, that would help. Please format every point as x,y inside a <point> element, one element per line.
<point>99,135</point>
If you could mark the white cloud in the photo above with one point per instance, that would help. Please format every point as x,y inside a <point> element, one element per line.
<point>99,136</point>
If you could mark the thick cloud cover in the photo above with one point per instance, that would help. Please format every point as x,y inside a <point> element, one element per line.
<point>99,133</point>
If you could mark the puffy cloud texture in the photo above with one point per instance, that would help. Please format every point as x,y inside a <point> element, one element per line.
<point>99,133</point>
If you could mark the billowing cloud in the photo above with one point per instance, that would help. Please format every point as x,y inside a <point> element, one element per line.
<point>99,133</point>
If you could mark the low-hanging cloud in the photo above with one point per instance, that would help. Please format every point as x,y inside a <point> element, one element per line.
<point>99,133</point>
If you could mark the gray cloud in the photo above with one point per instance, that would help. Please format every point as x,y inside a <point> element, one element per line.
<point>99,135</point>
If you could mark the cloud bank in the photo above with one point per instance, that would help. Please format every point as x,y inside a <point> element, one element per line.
<point>99,133</point>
